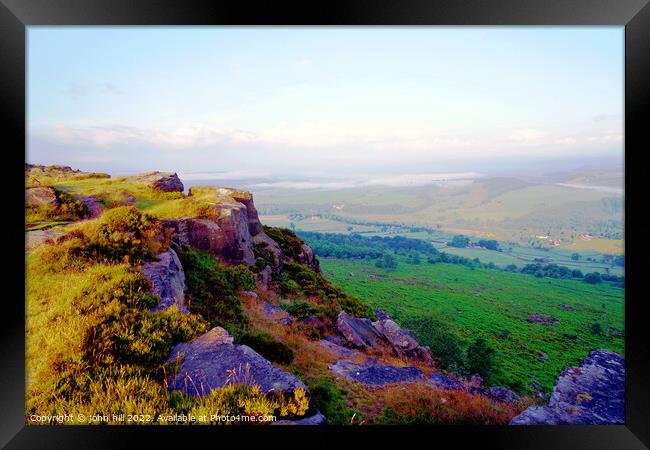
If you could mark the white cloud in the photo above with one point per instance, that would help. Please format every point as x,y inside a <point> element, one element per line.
<point>527,136</point>
<point>606,138</point>
<point>566,141</point>
<point>319,145</point>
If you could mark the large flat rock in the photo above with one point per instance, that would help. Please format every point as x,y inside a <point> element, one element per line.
<point>593,393</point>
<point>41,196</point>
<point>441,381</point>
<point>208,359</point>
<point>376,374</point>
<point>33,239</point>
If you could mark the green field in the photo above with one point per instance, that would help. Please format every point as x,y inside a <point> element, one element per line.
<point>485,303</point>
<point>521,256</point>
<point>512,253</point>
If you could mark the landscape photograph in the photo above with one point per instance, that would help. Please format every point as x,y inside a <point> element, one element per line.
<point>337,226</point>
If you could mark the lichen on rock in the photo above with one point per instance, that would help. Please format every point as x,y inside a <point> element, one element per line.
<point>593,393</point>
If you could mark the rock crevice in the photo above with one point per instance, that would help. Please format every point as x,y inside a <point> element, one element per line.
<point>167,281</point>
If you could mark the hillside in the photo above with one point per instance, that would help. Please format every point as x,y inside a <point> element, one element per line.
<point>498,306</point>
<point>147,305</point>
<point>569,210</point>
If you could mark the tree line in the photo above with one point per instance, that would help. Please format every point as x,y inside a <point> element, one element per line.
<point>383,250</point>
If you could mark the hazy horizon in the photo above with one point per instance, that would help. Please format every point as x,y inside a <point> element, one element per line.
<point>326,102</point>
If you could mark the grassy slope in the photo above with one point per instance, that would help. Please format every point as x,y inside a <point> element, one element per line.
<point>92,346</point>
<point>503,302</point>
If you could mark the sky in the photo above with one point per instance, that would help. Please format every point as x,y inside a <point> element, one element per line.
<point>323,101</point>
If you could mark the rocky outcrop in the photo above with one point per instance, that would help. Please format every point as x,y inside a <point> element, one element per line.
<point>402,343</point>
<point>162,181</point>
<point>593,393</point>
<point>167,281</point>
<point>231,231</point>
<point>208,362</point>
<point>264,241</point>
<point>443,382</point>
<point>272,312</point>
<point>53,168</point>
<point>376,374</point>
<point>254,225</point>
<point>358,333</point>
<point>221,238</point>
<point>501,394</point>
<point>363,334</point>
<point>383,315</point>
<point>307,257</point>
<point>41,196</point>
<point>35,238</point>
<point>93,205</point>
<point>474,386</point>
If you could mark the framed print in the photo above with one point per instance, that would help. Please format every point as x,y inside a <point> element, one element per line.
<point>354,219</point>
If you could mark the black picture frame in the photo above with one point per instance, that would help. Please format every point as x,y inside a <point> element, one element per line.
<point>16,15</point>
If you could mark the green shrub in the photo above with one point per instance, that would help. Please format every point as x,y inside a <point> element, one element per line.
<point>69,209</point>
<point>480,359</point>
<point>240,277</point>
<point>298,279</point>
<point>213,287</point>
<point>300,310</point>
<point>290,244</point>
<point>125,232</point>
<point>331,400</point>
<point>445,345</point>
<point>89,176</point>
<point>92,342</point>
<point>289,287</point>
<point>593,278</point>
<point>504,334</point>
<point>596,329</point>
<point>250,401</point>
<point>264,257</point>
<point>387,261</point>
<point>138,337</point>
<point>268,347</point>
